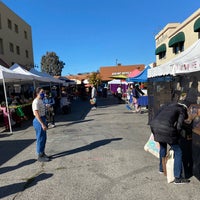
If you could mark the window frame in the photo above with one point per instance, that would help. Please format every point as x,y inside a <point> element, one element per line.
<point>178,48</point>
<point>17,50</point>
<point>25,34</point>
<point>162,55</point>
<point>1,47</point>
<point>9,24</point>
<point>27,53</point>
<point>11,47</point>
<point>16,28</point>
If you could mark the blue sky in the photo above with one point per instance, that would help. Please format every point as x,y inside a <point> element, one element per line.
<point>88,34</point>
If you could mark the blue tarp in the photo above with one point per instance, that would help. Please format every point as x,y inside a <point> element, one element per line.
<point>142,77</point>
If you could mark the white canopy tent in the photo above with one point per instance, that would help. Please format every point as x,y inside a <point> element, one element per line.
<point>186,62</point>
<point>18,69</point>
<point>6,76</point>
<point>117,81</point>
<point>45,75</point>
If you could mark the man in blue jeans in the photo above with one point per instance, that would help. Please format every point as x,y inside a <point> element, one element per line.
<point>166,127</point>
<point>39,124</point>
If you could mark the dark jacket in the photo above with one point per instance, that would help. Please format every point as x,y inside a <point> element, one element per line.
<point>167,124</point>
<point>137,92</point>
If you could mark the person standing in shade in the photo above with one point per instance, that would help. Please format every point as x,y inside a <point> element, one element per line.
<point>119,93</point>
<point>94,97</point>
<point>166,127</point>
<point>39,124</point>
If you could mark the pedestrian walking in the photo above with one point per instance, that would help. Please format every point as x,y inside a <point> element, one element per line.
<point>94,97</point>
<point>39,124</point>
<point>136,93</point>
<point>166,127</point>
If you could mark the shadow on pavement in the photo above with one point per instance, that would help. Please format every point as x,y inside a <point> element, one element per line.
<point>20,187</point>
<point>22,164</point>
<point>88,147</point>
<point>75,122</point>
<point>10,148</point>
<point>80,109</point>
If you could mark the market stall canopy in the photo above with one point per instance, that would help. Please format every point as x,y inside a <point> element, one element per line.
<point>117,81</point>
<point>85,81</point>
<point>18,69</point>
<point>10,76</point>
<point>142,77</point>
<point>134,73</point>
<point>67,81</point>
<point>186,62</point>
<point>45,75</point>
<point>120,76</point>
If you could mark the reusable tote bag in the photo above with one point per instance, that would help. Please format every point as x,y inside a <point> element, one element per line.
<point>92,101</point>
<point>152,146</point>
<point>170,166</point>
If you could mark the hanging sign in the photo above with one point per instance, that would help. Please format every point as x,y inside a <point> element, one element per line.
<point>187,66</point>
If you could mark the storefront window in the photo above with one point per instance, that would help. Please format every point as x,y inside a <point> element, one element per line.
<point>162,55</point>
<point>179,47</point>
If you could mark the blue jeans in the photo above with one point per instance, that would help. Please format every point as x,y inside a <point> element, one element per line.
<point>177,158</point>
<point>41,136</point>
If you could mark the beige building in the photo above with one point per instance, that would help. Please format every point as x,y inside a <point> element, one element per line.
<point>15,39</point>
<point>177,37</point>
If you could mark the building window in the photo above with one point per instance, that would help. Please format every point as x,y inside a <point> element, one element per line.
<point>178,47</point>
<point>1,46</point>
<point>0,21</point>
<point>11,46</point>
<point>18,50</point>
<point>16,28</point>
<point>25,35</point>
<point>27,55</point>
<point>9,24</point>
<point>162,55</point>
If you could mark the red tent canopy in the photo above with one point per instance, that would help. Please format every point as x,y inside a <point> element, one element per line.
<point>134,73</point>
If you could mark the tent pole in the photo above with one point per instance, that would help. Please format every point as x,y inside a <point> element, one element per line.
<point>6,99</point>
<point>34,85</point>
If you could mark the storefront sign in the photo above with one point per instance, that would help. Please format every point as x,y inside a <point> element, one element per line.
<point>118,73</point>
<point>187,67</point>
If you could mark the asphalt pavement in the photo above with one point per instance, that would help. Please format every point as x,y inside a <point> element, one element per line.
<point>96,155</point>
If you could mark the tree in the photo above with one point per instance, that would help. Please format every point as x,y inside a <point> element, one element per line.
<point>94,78</point>
<point>51,64</point>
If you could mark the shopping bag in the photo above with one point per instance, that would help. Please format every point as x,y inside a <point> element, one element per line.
<point>92,101</point>
<point>170,166</point>
<point>152,146</point>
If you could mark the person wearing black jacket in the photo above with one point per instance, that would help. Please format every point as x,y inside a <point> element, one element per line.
<point>166,127</point>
